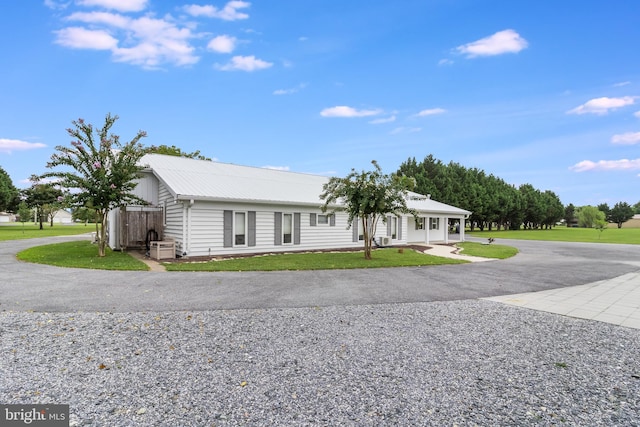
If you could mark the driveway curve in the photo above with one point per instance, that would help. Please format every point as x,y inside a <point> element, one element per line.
<point>538,266</point>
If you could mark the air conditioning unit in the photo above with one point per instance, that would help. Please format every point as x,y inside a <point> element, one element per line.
<point>385,241</point>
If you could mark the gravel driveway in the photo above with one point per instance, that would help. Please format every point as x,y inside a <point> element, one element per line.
<point>409,346</point>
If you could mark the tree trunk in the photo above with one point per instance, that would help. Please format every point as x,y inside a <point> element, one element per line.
<point>102,240</point>
<point>367,238</point>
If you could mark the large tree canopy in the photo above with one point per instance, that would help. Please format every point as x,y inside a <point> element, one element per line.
<point>175,151</point>
<point>490,199</point>
<point>9,199</point>
<point>367,196</point>
<point>44,197</point>
<point>621,212</point>
<point>103,170</point>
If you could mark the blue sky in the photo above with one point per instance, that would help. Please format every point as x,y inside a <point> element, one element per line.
<point>546,93</point>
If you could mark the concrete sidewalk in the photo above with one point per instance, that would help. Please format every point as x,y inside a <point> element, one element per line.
<point>447,251</point>
<point>615,301</point>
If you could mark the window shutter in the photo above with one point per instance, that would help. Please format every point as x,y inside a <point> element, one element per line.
<point>277,227</point>
<point>354,227</point>
<point>332,220</point>
<point>400,220</point>
<point>388,226</point>
<point>251,223</point>
<point>227,229</point>
<point>296,228</point>
<point>312,220</point>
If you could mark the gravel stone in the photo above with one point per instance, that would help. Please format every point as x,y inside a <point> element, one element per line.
<point>464,363</point>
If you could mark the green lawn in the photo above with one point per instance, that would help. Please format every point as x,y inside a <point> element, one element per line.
<point>80,254</point>
<point>389,257</point>
<point>487,251</point>
<point>15,230</point>
<point>565,234</point>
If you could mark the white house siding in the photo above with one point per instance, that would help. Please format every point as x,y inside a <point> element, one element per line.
<point>147,188</point>
<point>206,236</point>
<point>173,213</point>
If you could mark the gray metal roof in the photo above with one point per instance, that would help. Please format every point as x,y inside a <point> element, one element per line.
<point>206,180</point>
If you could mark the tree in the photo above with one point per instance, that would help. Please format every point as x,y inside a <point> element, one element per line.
<point>604,207</point>
<point>621,212</point>
<point>367,196</point>
<point>588,216</point>
<point>104,170</point>
<point>9,199</point>
<point>84,214</point>
<point>175,151</point>
<point>44,197</point>
<point>569,214</point>
<point>24,213</point>
<point>636,208</point>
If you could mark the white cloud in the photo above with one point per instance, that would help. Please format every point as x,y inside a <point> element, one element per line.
<point>228,13</point>
<point>56,5</point>
<point>403,129</point>
<point>244,63</point>
<point>629,138</point>
<point>602,105</point>
<point>9,145</point>
<point>291,90</point>
<point>445,62</point>
<point>637,114</point>
<point>606,165</point>
<point>506,41</point>
<point>120,5</point>
<point>344,111</point>
<point>144,41</point>
<point>222,44</point>
<point>621,84</point>
<point>277,168</point>
<point>81,38</point>
<point>430,112</point>
<point>384,120</point>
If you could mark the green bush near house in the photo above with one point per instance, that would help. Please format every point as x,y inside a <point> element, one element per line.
<point>80,254</point>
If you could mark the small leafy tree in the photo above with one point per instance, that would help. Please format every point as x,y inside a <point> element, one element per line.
<point>600,225</point>
<point>24,213</point>
<point>367,196</point>
<point>44,197</point>
<point>588,215</point>
<point>621,212</point>
<point>103,171</point>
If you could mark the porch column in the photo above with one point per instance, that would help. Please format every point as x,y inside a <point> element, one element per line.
<point>427,221</point>
<point>445,224</point>
<point>462,225</point>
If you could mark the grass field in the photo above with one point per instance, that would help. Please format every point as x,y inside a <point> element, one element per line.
<point>316,261</point>
<point>565,234</point>
<point>80,254</point>
<point>15,231</point>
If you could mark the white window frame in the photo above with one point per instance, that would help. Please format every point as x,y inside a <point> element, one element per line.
<point>420,223</point>
<point>284,216</point>
<point>325,221</point>
<point>434,223</point>
<point>164,212</point>
<point>235,227</point>
<point>394,227</point>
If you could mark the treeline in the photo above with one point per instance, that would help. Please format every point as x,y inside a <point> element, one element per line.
<point>491,200</point>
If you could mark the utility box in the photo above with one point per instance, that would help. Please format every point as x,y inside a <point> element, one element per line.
<point>163,249</point>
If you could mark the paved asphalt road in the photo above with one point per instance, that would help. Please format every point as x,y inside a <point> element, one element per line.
<point>538,266</point>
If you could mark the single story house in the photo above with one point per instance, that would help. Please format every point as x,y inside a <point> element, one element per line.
<point>212,208</point>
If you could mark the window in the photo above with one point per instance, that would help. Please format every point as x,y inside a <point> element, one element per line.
<point>394,227</point>
<point>434,223</point>
<point>287,228</point>
<point>240,228</point>
<point>323,219</point>
<point>420,224</point>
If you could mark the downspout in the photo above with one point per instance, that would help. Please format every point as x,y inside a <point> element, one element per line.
<point>184,230</point>
<point>191,202</point>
